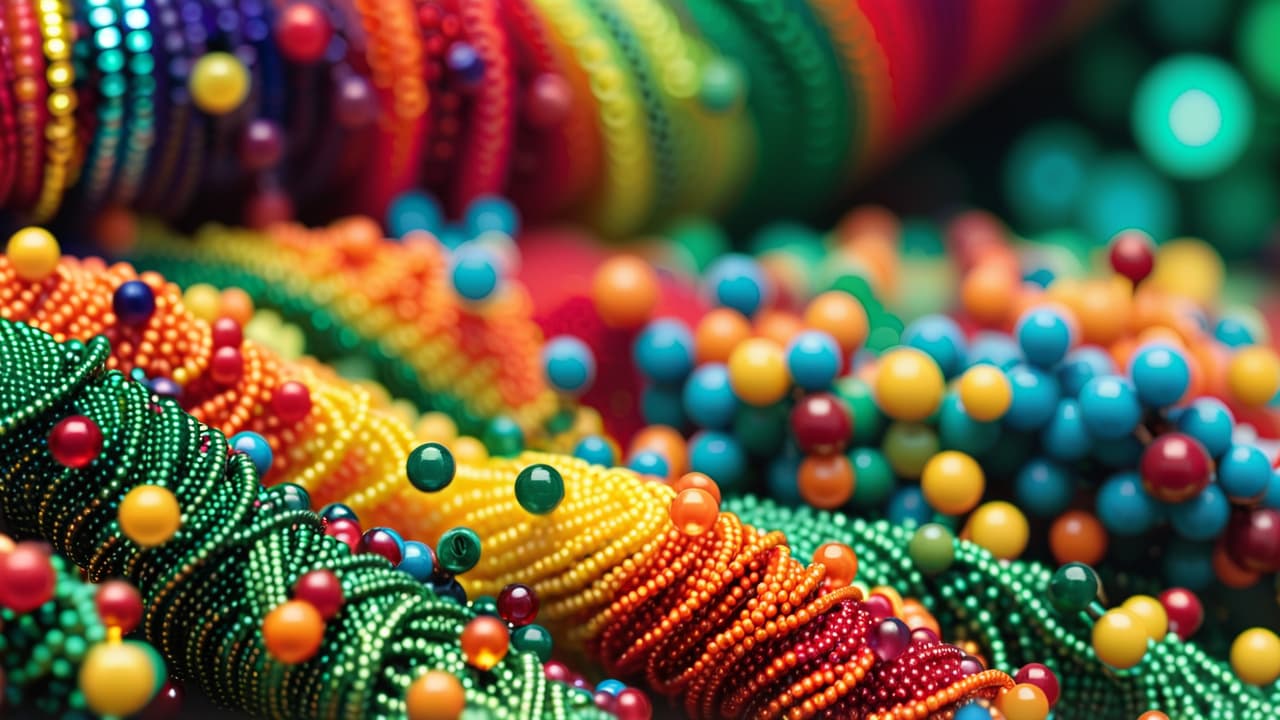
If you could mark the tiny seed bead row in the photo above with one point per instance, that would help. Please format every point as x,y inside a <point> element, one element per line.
<point>235,556</point>
<point>60,130</point>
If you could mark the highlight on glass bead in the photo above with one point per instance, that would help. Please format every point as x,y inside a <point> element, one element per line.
<point>33,253</point>
<point>908,384</point>
<point>219,83</point>
<point>293,631</point>
<point>485,641</point>
<point>149,515</point>
<point>430,467</point>
<point>694,511</point>
<point>539,488</point>
<point>435,695</point>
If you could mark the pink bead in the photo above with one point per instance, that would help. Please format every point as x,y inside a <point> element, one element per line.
<point>923,635</point>
<point>226,332</point>
<point>291,402</point>
<point>323,590</point>
<point>1042,677</point>
<point>889,638</point>
<point>970,665</point>
<point>75,441</point>
<point>879,606</point>
<point>227,366</point>
<point>633,705</point>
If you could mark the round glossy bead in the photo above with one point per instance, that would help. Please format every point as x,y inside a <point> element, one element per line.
<point>825,481</point>
<point>1109,407</point>
<point>303,32</point>
<point>1035,397</point>
<point>226,332</point>
<point>664,351</point>
<point>518,604</point>
<point>119,605</point>
<point>167,703</point>
<point>418,561</point>
<point>219,83</point>
<point>458,550</point>
<point>1132,254</point>
<point>435,695</point>
<point>985,393</point>
<point>503,437</point>
<point>75,441</point>
<point>1253,539</point>
<point>533,638</point>
<point>1153,715</point>
<point>1120,638</point>
<point>133,302</point>
<point>1244,473</point>
<point>1203,517</point>
<point>889,638</point>
<point>485,605</point>
<point>1077,536</point>
<point>970,665</point>
<point>117,678</point>
<point>595,450</point>
<point>873,478</point>
<point>908,506</point>
<point>1023,701</point>
<point>758,372</point>
<point>1124,507</point>
<point>548,100</point>
<point>34,253</point>
<point>952,482</point>
<point>569,363</point>
<point>821,424</point>
<point>1042,677</point>
<point>539,489</point>
<point>1151,613</point>
<point>719,456</point>
<point>492,213</point>
<point>226,366</point>
<point>149,515</point>
<point>1073,587</point>
<point>1082,365</point>
<point>28,576</point>
<point>1000,528</point>
<point>256,447</point>
<point>1210,422</point>
<point>625,291</point>
<point>939,337</point>
<point>1255,656</point>
<point>1045,336</point>
<point>261,145</point>
<point>1065,437</point>
<point>322,589</point>
<point>737,282</point>
<point>430,467</point>
<point>718,333</point>
<point>1253,375</point>
<point>694,511</point>
<point>708,397</point>
<point>650,463</point>
<point>841,316</point>
<point>1043,488</point>
<point>165,388</point>
<point>1183,610</point>
<point>412,211</point>
<point>293,631</point>
<point>932,548</point>
<point>485,641</point>
<point>840,561</point>
<point>384,542</point>
<point>1160,375</point>
<point>475,272</point>
<point>697,480</point>
<point>908,385</point>
<point>813,360</point>
<point>1175,468</point>
<point>633,704</point>
<point>347,530</point>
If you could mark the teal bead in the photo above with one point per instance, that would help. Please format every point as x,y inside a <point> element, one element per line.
<point>485,605</point>
<point>932,548</point>
<point>539,489</point>
<point>868,422</point>
<point>1073,587</point>
<point>458,550</point>
<point>430,467</point>
<point>533,638</point>
<point>875,480</point>
<point>503,437</point>
<point>291,496</point>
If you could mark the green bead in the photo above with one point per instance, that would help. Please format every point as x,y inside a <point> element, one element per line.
<point>430,467</point>
<point>723,85</point>
<point>485,605</point>
<point>539,489</point>
<point>908,447</point>
<point>761,430</point>
<point>458,550</point>
<point>932,548</point>
<point>874,477</point>
<point>292,496</point>
<point>533,638</point>
<point>868,422</point>
<point>1073,587</point>
<point>503,437</point>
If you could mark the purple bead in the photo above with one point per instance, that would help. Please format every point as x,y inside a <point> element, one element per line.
<point>879,606</point>
<point>466,63</point>
<point>971,665</point>
<point>923,635</point>
<point>889,638</point>
<point>581,683</point>
<point>354,103</point>
<point>261,145</point>
<point>164,387</point>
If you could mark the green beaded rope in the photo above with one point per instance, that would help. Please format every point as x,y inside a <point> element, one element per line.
<point>1005,608</point>
<point>236,556</point>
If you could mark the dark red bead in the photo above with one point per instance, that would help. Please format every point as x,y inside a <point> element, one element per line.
<point>1175,468</point>
<point>557,671</point>
<point>633,704</point>
<point>261,145</point>
<point>119,605</point>
<point>821,424</point>
<point>27,579</point>
<point>75,441</point>
<point>1184,611</point>
<point>291,401</point>
<point>323,590</point>
<point>879,606</point>
<point>518,604</point>
<point>1133,255</point>
<point>380,542</point>
<point>923,635</point>
<point>268,207</point>
<point>548,100</point>
<point>889,638</point>
<point>167,704</point>
<point>348,531</point>
<point>970,665</point>
<point>1253,539</point>
<point>303,32</point>
<point>1042,677</point>
<point>227,366</point>
<point>606,701</point>
<point>226,333</point>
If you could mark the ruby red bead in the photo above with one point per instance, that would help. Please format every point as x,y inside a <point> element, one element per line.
<point>606,701</point>
<point>518,604</point>
<point>1133,255</point>
<point>889,638</point>
<point>548,100</point>
<point>27,579</point>
<point>1042,677</point>
<point>1253,539</point>
<point>167,704</point>
<point>226,366</point>
<point>323,590</point>
<point>303,32</point>
<point>348,531</point>
<point>633,705</point>
<point>821,424</point>
<point>970,665</point>
<point>119,605</point>
<point>226,333</point>
<point>380,541</point>
<point>1184,611</point>
<point>1175,468</point>
<point>291,401</point>
<point>75,441</point>
<point>557,671</point>
<point>879,606</point>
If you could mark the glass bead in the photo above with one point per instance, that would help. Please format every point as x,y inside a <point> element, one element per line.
<point>133,303</point>
<point>149,515</point>
<point>518,604</point>
<point>908,385</point>
<point>29,578</point>
<point>840,562</point>
<point>418,561</point>
<point>503,437</point>
<point>1042,677</point>
<point>694,511</point>
<point>485,641</point>
<point>821,424</point>
<point>34,253</point>
<point>1023,701</point>
<point>1175,468</point>
<point>539,489</point>
<point>1183,610</point>
<point>119,605</point>
<point>323,590</point>
<point>1120,638</point>
<point>533,638</point>
<point>932,548</point>
<point>458,550</point>
<point>430,467</point>
<point>435,695</point>
<point>116,678</point>
<point>889,638</point>
<point>256,447</point>
<point>384,542</point>
<point>75,441</point>
<point>1073,587</point>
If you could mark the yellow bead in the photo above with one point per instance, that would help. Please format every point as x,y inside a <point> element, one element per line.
<point>1188,268</point>
<point>1001,528</point>
<point>952,482</point>
<point>985,393</point>
<point>436,427</point>
<point>1152,614</point>
<point>34,253</point>
<point>219,83</point>
<point>469,451</point>
<point>1120,638</point>
<point>203,300</point>
<point>758,372</point>
<point>908,384</point>
<point>117,679</point>
<point>1254,375</point>
<point>149,515</point>
<point>1023,701</point>
<point>1255,656</point>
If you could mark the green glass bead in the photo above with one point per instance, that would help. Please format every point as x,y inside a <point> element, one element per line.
<point>1073,587</point>
<point>458,550</point>
<point>874,477</point>
<point>430,467</point>
<point>291,496</point>
<point>533,638</point>
<point>539,489</point>
<point>503,437</point>
<point>933,548</point>
<point>868,422</point>
<point>485,605</point>
<point>761,430</point>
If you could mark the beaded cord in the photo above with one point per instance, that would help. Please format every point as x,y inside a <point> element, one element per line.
<point>30,93</point>
<point>8,120</point>
<point>487,147</point>
<point>60,131</point>
<point>235,557</point>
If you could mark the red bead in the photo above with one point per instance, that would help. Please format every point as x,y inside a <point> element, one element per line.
<point>291,402</point>
<point>1042,677</point>
<point>348,531</point>
<point>1133,255</point>
<point>27,580</point>
<point>268,207</point>
<point>1175,468</point>
<point>633,705</point>
<point>518,604</point>
<point>303,32</point>
<point>1253,539</point>
<point>75,441</point>
<point>821,424</point>
<point>227,366</point>
<point>167,704</point>
<point>556,671</point>
<point>380,542</point>
<point>226,333</point>
<point>1184,611</point>
<point>261,145</point>
<point>322,589</point>
<point>119,605</point>
<point>879,606</point>
<point>548,101</point>
<point>606,701</point>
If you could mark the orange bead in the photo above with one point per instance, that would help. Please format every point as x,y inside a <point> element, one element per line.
<point>697,480</point>
<point>841,316</point>
<point>916,615</point>
<point>1229,572</point>
<point>667,442</point>
<point>293,631</point>
<point>485,641</point>
<point>987,293</point>
<point>1102,308</point>
<point>694,511</point>
<point>435,695</point>
<point>826,482</point>
<point>1153,715</point>
<point>840,561</point>
<point>116,230</point>
<point>237,305</point>
<point>1077,536</point>
<point>1023,701</point>
<point>779,326</point>
<point>718,333</point>
<point>625,291</point>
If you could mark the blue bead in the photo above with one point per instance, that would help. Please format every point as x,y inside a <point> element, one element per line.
<point>813,359</point>
<point>338,511</point>
<point>1244,473</point>
<point>720,457</point>
<point>490,213</point>
<point>1160,375</point>
<point>611,686</point>
<point>648,462</point>
<point>452,236</point>
<point>660,405</point>
<point>1203,517</point>
<point>255,446</point>
<point>1231,332</point>
<point>394,536</point>
<point>1124,507</point>
<point>1082,365</point>
<point>781,478</point>
<point>465,63</point>
<point>993,348</point>
<point>1044,335</point>
<point>709,400</point>
<point>1272,498</point>
<point>939,337</point>
<point>1065,438</point>
<point>595,450</point>
<point>1109,406</point>
<point>736,281</point>
<point>664,351</point>
<point>908,506</point>
<point>1189,564</point>
<point>1118,454</point>
<point>475,272</point>
<point>1209,421</point>
<point>414,211</point>
<point>1035,397</point>
<point>972,711</point>
<point>417,561</point>
<point>570,365</point>
<point>958,431</point>
<point>1043,488</point>
<point>133,303</point>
